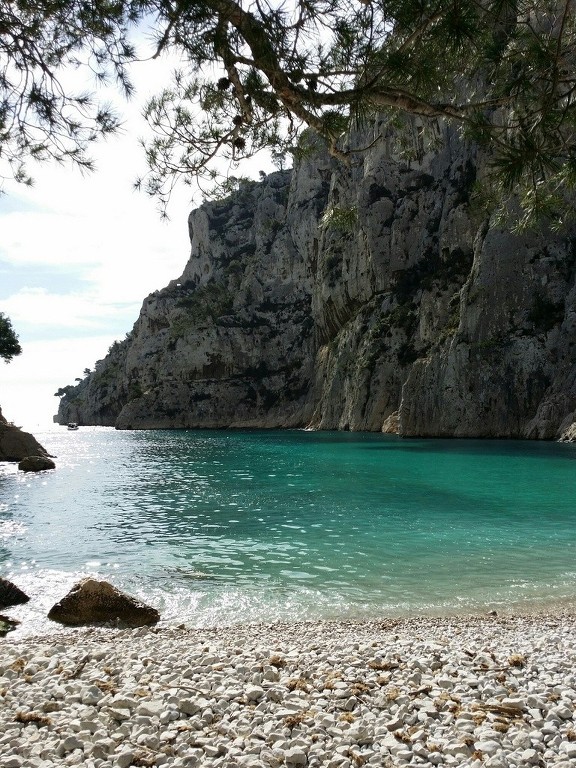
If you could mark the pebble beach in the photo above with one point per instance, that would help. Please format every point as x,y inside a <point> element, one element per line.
<point>493,692</point>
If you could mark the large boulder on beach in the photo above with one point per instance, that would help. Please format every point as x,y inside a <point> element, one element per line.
<point>36,464</point>
<point>98,602</point>
<point>10,594</point>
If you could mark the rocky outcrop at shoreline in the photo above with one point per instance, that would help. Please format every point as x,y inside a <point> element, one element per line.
<point>16,445</point>
<point>379,296</point>
<point>473,693</point>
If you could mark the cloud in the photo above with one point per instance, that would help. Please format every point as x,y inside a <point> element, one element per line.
<point>35,312</point>
<point>131,254</point>
<point>93,226</point>
<point>44,238</point>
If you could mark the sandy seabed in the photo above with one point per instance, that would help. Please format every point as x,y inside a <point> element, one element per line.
<point>468,691</point>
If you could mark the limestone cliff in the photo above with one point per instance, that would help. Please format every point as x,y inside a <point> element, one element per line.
<point>364,298</point>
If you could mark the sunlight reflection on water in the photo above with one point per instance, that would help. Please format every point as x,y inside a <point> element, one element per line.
<point>221,527</point>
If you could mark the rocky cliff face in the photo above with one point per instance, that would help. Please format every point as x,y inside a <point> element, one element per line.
<point>364,298</point>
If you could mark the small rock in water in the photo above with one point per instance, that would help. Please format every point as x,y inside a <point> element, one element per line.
<point>36,464</point>
<point>10,594</point>
<point>7,625</point>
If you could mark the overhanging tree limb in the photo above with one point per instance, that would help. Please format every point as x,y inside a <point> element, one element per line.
<point>255,73</point>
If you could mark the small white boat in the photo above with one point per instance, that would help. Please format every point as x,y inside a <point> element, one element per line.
<point>72,425</point>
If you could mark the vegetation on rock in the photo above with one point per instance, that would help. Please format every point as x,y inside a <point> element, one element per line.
<point>9,344</point>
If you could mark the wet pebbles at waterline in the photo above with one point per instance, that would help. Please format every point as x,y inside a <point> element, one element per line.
<point>482,692</point>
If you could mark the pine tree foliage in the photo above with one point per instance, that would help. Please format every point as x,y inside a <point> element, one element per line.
<point>41,117</point>
<point>9,344</point>
<point>256,73</point>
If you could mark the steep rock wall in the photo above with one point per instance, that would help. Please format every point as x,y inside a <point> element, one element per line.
<point>401,309</point>
<point>508,371</point>
<point>230,342</point>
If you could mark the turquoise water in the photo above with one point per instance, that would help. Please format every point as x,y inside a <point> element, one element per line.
<point>220,527</point>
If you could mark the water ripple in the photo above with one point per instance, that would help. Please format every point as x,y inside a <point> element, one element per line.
<point>295,524</point>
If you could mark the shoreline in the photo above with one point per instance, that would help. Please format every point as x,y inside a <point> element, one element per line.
<point>547,611</point>
<point>494,691</point>
<point>34,624</point>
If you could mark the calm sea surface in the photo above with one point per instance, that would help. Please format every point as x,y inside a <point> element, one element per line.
<point>223,527</point>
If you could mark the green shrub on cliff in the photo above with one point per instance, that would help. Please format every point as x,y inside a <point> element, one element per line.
<point>205,304</point>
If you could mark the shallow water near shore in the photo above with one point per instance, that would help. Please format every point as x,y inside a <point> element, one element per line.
<point>224,527</point>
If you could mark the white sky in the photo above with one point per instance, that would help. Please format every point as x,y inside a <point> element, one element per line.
<point>78,254</point>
